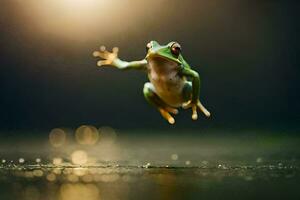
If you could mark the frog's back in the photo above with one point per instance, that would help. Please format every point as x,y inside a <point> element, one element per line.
<point>163,74</point>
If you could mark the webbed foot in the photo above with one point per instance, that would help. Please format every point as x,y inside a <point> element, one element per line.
<point>194,107</point>
<point>108,57</point>
<point>166,115</point>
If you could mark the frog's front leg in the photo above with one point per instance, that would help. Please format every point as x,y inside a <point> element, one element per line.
<point>153,99</point>
<point>191,93</point>
<point>111,58</point>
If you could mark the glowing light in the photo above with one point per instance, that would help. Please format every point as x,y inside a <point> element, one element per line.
<point>76,19</point>
<point>67,171</point>
<point>21,160</point>
<point>79,191</point>
<point>80,3</point>
<point>147,165</point>
<point>56,171</point>
<point>38,173</point>
<point>57,161</point>
<point>87,135</point>
<point>187,162</point>
<point>79,171</point>
<point>51,177</point>
<point>38,160</point>
<point>57,137</point>
<point>79,157</point>
<point>174,157</point>
<point>3,161</point>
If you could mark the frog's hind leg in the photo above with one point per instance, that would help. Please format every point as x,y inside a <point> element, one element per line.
<point>153,99</point>
<point>187,94</point>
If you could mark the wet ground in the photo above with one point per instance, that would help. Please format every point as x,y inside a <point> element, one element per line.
<point>102,163</point>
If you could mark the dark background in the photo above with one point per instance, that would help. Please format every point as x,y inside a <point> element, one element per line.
<point>245,51</point>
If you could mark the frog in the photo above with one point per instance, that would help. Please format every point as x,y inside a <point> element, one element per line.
<point>173,84</point>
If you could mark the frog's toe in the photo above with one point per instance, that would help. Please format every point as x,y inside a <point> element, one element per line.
<point>96,53</point>
<point>171,120</point>
<point>165,114</point>
<point>203,109</point>
<point>103,62</point>
<point>194,115</point>
<point>172,110</point>
<point>102,48</point>
<point>186,105</point>
<point>115,50</point>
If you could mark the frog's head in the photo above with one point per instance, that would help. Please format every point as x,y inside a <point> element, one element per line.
<point>170,52</point>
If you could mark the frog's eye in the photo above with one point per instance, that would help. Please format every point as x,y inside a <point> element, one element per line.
<point>148,46</point>
<point>176,49</point>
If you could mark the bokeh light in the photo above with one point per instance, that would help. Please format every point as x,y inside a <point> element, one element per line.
<point>57,161</point>
<point>79,157</point>
<point>87,135</point>
<point>21,160</point>
<point>174,156</point>
<point>38,173</point>
<point>51,177</point>
<point>79,171</point>
<point>79,20</point>
<point>57,137</point>
<point>78,191</point>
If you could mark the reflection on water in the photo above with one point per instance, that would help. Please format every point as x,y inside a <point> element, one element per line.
<point>78,191</point>
<point>91,163</point>
<point>71,182</point>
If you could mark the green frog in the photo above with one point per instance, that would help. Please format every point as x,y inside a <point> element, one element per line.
<point>173,83</point>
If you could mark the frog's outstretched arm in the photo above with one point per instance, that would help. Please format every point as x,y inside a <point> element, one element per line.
<point>194,102</point>
<point>111,58</point>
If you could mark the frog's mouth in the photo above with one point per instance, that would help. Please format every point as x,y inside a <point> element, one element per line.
<point>154,56</point>
<point>161,62</point>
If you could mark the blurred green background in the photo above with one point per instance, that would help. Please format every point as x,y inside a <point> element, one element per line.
<point>245,51</point>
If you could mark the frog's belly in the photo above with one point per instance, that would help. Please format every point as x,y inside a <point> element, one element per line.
<point>168,88</point>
